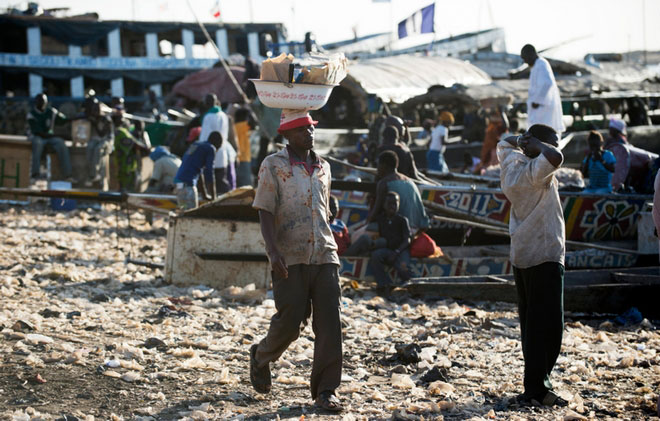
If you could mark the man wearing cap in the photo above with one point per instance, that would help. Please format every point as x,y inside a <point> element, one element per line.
<point>632,164</point>
<point>536,225</point>
<point>216,120</point>
<point>543,102</point>
<point>293,200</point>
<point>435,160</point>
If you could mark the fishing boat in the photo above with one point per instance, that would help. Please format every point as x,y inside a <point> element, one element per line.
<point>588,217</point>
<point>482,260</point>
<point>602,291</point>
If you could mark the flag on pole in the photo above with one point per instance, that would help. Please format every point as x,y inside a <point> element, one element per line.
<point>420,22</point>
<point>215,11</point>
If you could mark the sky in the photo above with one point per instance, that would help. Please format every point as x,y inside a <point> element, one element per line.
<point>581,26</point>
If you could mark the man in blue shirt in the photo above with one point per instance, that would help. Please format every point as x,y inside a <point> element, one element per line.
<point>598,166</point>
<point>196,162</point>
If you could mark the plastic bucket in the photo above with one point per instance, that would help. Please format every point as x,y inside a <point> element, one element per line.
<point>295,96</point>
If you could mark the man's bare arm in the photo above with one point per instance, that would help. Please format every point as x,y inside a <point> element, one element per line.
<point>277,261</point>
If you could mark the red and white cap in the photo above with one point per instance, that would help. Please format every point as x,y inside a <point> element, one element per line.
<point>292,119</point>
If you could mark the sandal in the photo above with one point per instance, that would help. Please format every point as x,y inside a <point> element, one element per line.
<point>259,377</point>
<point>551,399</point>
<point>328,401</point>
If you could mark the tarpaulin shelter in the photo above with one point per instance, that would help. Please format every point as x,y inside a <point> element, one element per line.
<point>398,78</point>
<point>214,80</point>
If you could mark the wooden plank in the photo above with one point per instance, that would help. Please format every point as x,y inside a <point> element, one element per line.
<point>15,163</point>
<point>602,298</point>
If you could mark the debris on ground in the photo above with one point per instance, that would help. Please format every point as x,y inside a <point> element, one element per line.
<point>86,336</point>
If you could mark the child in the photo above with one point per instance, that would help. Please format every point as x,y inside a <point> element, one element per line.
<point>598,166</point>
<point>338,227</point>
<point>395,230</point>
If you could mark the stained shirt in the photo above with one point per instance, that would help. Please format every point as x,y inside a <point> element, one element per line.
<point>543,91</point>
<point>536,221</point>
<point>297,194</point>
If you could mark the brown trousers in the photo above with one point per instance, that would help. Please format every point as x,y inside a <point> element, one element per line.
<point>309,289</point>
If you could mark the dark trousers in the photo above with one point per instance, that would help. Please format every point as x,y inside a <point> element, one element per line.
<point>541,310</point>
<point>309,289</point>
<point>379,264</point>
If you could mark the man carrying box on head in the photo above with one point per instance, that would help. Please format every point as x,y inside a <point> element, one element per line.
<point>293,200</point>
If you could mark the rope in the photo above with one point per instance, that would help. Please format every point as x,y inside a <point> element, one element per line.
<point>238,87</point>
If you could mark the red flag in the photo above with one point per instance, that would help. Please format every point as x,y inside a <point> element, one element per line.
<point>216,10</point>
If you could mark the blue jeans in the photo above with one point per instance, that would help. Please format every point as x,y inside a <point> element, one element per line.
<point>186,197</point>
<point>435,161</point>
<point>95,152</point>
<point>38,145</point>
<point>378,262</point>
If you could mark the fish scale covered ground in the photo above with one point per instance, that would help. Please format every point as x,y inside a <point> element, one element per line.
<point>86,336</point>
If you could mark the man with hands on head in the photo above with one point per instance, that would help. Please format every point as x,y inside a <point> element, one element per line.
<point>536,227</point>
<point>293,200</point>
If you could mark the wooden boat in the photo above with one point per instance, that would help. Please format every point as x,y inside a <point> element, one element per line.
<point>154,202</point>
<point>588,217</point>
<point>602,291</point>
<point>480,260</point>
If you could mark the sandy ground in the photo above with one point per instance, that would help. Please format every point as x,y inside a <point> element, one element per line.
<point>86,336</point>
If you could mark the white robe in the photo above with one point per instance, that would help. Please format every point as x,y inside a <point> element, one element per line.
<point>543,91</point>
<point>218,122</point>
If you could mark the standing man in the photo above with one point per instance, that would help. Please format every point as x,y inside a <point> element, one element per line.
<point>242,129</point>
<point>100,145</point>
<point>537,231</point>
<point>435,159</point>
<point>197,162</point>
<point>216,120</point>
<point>543,102</point>
<point>41,120</point>
<point>293,200</point>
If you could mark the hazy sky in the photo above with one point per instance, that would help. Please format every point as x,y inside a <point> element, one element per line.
<point>601,25</point>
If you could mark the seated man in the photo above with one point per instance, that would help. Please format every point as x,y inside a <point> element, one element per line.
<point>166,165</point>
<point>41,120</point>
<point>394,229</point>
<point>391,142</point>
<point>598,166</point>
<point>197,161</point>
<point>390,180</point>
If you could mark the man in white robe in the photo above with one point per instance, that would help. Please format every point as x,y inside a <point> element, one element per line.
<point>543,102</point>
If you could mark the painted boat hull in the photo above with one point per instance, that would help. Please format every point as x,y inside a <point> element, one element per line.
<point>602,291</point>
<point>588,217</point>
<point>358,268</point>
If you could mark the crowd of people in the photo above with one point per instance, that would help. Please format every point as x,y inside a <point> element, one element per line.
<point>304,238</point>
